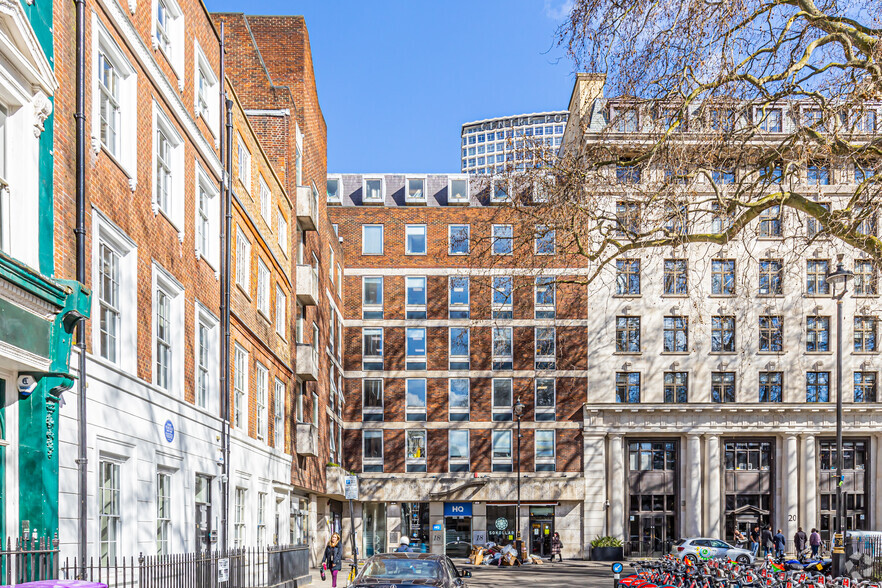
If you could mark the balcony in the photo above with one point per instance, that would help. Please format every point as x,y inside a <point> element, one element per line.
<point>307,285</point>
<point>307,439</point>
<point>307,208</point>
<point>307,362</point>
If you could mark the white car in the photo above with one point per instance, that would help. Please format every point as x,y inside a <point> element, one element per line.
<point>701,548</point>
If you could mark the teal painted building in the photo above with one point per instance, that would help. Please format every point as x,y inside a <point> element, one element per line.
<point>37,313</point>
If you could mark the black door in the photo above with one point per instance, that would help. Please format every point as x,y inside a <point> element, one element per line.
<point>541,532</point>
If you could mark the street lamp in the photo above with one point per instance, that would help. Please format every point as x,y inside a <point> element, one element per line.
<point>519,412</point>
<point>840,276</point>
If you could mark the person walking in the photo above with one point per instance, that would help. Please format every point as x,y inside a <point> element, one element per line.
<point>404,546</point>
<point>333,559</point>
<point>755,540</point>
<point>780,542</point>
<point>767,541</point>
<point>556,546</point>
<point>815,542</point>
<point>799,540</point>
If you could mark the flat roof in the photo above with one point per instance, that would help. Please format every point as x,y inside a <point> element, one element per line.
<point>475,122</point>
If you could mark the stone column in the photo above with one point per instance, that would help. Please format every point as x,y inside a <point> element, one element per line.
<point>790,490</point>
<point>616,522</point>
<point>436,527</point>
<point>594,506</point>
<point>713,500</point>
<point>876,515</point>
<point>693,486</point>
<point>808,489</point>
<point>393,525</point>
<point>317,542</point>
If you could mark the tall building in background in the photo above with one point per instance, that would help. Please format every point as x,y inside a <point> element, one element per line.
<point>519,142</point>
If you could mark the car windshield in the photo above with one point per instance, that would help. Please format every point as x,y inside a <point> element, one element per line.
<point>401,569</point>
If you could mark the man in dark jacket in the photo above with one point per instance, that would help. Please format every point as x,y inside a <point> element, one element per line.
<point>780,543</point>
<point>799,540</point>
<point>767,540</point>
<point>755,539</point>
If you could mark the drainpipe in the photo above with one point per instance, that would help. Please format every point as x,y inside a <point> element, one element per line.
<point>80,234</point>
<point>225,318</point>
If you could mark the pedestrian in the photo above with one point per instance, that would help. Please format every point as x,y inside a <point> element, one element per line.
<point>780,542</point>
<point>556,546</point>
<point>333,559</point>
<point>815,542</point>
<point>755,539</point>
<point>404,546</point>
<point>799,540</point>
<point>740,539</point>
<point>766,540</point>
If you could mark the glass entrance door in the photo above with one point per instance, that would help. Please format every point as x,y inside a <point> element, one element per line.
<point>541,530</point>
<point>374,528</point>
<point>457,536</point>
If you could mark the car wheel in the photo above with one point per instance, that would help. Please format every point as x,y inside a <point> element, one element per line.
<point>743,560</point>
<point>690,558</point>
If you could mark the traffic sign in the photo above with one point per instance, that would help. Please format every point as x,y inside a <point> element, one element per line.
<point>350,487</point>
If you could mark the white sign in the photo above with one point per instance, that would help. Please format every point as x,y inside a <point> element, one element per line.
<point>350,487</point>
<point>223,569</point>
<point>26,384</point>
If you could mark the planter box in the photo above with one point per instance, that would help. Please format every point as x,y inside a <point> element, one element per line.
<point>607,553</point>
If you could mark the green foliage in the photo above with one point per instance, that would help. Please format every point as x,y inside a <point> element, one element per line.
<point>606,542</point>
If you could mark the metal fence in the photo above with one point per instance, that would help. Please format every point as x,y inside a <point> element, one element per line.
<point>864,558</point>
<point>28,559</point>
<point>259,567</point>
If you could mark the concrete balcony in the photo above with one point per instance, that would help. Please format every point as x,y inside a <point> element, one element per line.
<point>334,480</point>
<point>307,208</point>
<point>307,362</point>
<point>307,285</point>
<point>307,439</point>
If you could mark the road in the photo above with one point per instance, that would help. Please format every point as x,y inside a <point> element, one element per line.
<point>567,574</point>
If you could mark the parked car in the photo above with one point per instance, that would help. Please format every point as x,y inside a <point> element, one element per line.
<point>405,570</point>
<point>699,548</point>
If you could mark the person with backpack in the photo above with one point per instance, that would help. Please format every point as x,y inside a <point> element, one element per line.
<point>333,559</point>
<point>556,547</point>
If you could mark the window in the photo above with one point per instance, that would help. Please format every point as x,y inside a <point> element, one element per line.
<point>372,348</point>
<point>771,277</point>
<point>863,171</point>
<point>677,220</point>
<point>416,189</point>
<point>502,400</point>
<point>544,450</point>
<point>770,386</point>
<point>315,410</point>
<point>771,120</point>
<point>628,173</point>
<point>627,334</point>
<point>723,175</point>
<point>243,260</point>
<point>865,386</point>
<point>372,240</point>
<point>502,358</point>
<point>818,174</point>
<point>109,513</point>
<point>205,91</point>
<point>244,161</point>
<point>675,277</point>
<point>109,301</point>
<point>261,393</point>
<point>628,387</point>
<point>771,333</point>
<point>458,239</point>
<point>545,298</point>
<point>459,348</point>
<point>263,294</point>
<point>817,333</point>
<point>372,456</point>
<point>372,297</point>
<point>817,386</point>
<point>676,387</point>
<point>723,334</point>
<point>109,99</point>
<point>814,227</point>
<point>721,220</point>
<point>415,297</point>
<point>624,120</point>
<point>279,415</point>
<point>261,518</point>
<point>723,277</point>
<point>416,451</point>
<point>168,169</point>
<point>458,450</point>
<point>770,222</point>
<point>816,277</point>
<point>501,451</point>
<point>114,106</point>
<point>458,190</point>
<point>372,400</point>
<point>239,518</point>
<point>206,350</point>
<point>865,280</point>
<point>722,387</point>
<point>864,334</point>
<point>459,297</point>
<point>545,348</point>
<point>333,189</point>
<point>627,277</point>
<point>501,298</point>
<point>240,389</point>
<point>502,239</point>
<point>865,221</point>
<point>545,399</point>
<point>163,338</point>
<point>300,414</point>
<point>676,334</point>
<point>415,239</point>
<point>544,240</point>
<point>266,199</point>
<point>373,190</point>
<point>416,348</point>
<point>742,456</point>
<point>415,399</point>
<point>458,399</point>
<point>815,119</point>
<point>163,512</point>
<point>207,215</point>
<point>281,312</point>
<point>627,219</point>
<point>499,191</point>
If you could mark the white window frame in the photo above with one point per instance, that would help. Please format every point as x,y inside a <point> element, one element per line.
<point>207,319</point>
<point>468,450</point>
<point>279,393</point>
<point>210,222</point>
<point>501,358</point>
<point>363,241</point>
<point>174,34</point>
<point>544,358</point>
<point>502,306</point>
<point>164,516</point>
<point>261,400</point>
<point>115,516</point>
<point>421,198</point>
<point>415,409</point>
<point>459,409</point>
<point>281,313</point>
<point>338,197</point>
<point>266,200</point>
<point>545,459</point>
<point>450,196</point>
<point>408,307</point>
<point>164,281</point>
<point>243,271</point>
<point>264,277</point>
<point>204,76</point>
<point>373,409</point>
<point>417,357</point>
<point>174,210</point>
<point>240,495</point>
<point>261,518</point>
<point>240,388</point>
<point>544,307</point>
<point>407,232</point>
<point>371,307</point>
<point>545,410</point>
<point>243,163</point>
<point>459,358</point>
<point>415,461</point>
<point>468,233</point>
<point>544,231</point>
<point>501,409</point>
<point>282,231</point>
<point>364,191</point>
<point>497,186</point>
<point>374,461</point>
<point>459,307</point>
<point>494,239</point>
<point>372,358</point>
<point>501,460</point>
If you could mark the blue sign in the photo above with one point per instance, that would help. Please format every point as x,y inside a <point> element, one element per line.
<point>169,431</point>
<point>617,568</point>
<point>457,509</point>
<point>436,527</point>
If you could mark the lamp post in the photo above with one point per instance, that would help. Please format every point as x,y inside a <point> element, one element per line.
<point>840,276</point>
<point>519,412</point>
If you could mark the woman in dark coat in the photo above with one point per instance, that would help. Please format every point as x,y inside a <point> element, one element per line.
<point>333,559</point>
<point>556,546</point>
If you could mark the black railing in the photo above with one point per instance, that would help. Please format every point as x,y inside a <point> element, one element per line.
<point>258,567</point>
<point>28,559</point>
<point>864,558</point>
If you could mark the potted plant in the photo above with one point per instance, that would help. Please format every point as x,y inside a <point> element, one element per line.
<point>607,549</point>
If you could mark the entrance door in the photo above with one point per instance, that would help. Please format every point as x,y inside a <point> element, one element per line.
<point>457,536</point>
<point>541,532</point>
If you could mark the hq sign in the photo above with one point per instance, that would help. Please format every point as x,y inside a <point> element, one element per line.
<point>457,509</point>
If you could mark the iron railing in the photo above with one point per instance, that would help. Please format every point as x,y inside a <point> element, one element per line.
<point>864,558</point>
<point>28,559</point>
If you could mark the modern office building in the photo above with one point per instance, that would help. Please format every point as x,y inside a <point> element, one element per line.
<point>494,145</point>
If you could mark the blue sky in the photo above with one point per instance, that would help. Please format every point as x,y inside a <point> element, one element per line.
<point>397,78</point>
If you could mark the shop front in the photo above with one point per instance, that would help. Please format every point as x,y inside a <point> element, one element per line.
<point>374,514</point>
<point>501,523</point>
<point>415,525</point>
<point>457,528</point>
<point>541,530</point>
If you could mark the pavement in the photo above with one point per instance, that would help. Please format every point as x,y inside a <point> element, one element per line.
<point>565,574</point>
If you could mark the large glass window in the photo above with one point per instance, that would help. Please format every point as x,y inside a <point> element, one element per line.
<point>459,297</point>
<point>646,456</point>
<point>771,333</point>
<point>817,333</point>
<point>675,277</point>
<point>627,277</point>
<point>458,450</point>
<point>163,512</point>
<point>108,85</point>
<point>816,277</point>
<point>865,280</point>
<point>748,456</point>
<point>261,408</point>
<point>108,300</point>
<point>240,388</point>
<point>416,348</point>
<point>676,334</point>
<point>459,348</point>
<point>865,386</point>
<point>416,451</point>
<point>415,239</point>
<point>163,340</point>
<point>372,399</point>
<point>415,297</point>
<point>817,386</point>
<point>545,297</point>
<point>373,190</point>
<point>372,239</point>
<point>771,385</point>
<point>502,351</point>
<point>676,387</point>
<point>544,441</point>
<point>628,387</point>
<point>372,348</point>
<point>416,399</point>
<point>722,386</point>
<point>109,513</point>
<point>545,348</point>
<point>723,277</point>
<point>771,277</point>
<point>864,334</point>
<point>502,297</point>
<point>723,334</point>
<point>458,400</point>
<point>372,457</point>
<point>627,219</point>
<point>502,399</point>
<point>415,524</point>
<point>545,399</point>
<point>545,242</point>
<point>501,451</point>
<point>458,239</point>
<point>502,239</point>
<point>627,334</point>
<point>372,297</point>
<point>770,222</point>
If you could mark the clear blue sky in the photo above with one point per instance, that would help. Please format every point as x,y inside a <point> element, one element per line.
<point>396,79</point>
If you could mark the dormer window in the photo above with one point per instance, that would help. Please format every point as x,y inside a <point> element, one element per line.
<point>770,120</point>
<point>373,190</point>
<point>333,188</point>
<point>624,119</point>
<point>458,190</point>
<point>416,189</point>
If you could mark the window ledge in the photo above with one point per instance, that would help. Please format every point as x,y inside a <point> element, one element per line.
<point>722,353</point>
<point>675,295</point>
<point>724,296</point>
<point>676,352</point>
<point>865,353</point>
<point>818,352</point>
<point>625,353</point>
<point>627,296</point>
<point>123,168</point>
<point>243,291</point>
<point>775,353</point>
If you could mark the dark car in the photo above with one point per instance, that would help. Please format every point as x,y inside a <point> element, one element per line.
<point>403,570</point>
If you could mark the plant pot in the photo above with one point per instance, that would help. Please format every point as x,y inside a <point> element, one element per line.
<point>607,553</point>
